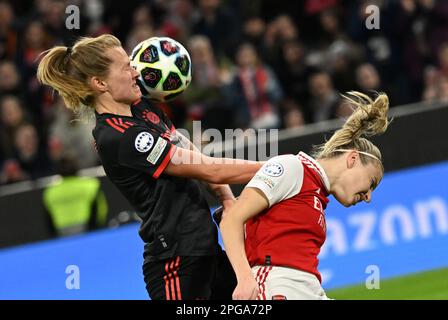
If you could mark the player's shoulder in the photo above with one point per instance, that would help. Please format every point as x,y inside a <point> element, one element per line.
<point>112,130</point>
<point>282,166</point>
<point>285,160</point>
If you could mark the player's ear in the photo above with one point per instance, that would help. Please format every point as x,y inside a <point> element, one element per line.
<point>98,84</point>
<point>351,158</point>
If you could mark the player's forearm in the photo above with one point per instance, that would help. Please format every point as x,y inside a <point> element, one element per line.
<point>222,191</point>
<point>232,171</point>
<point>189,164</point>
<point>232,231</point>
<point>226,175</point>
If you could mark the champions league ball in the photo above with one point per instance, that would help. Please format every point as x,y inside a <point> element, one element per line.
<point>164,66</point>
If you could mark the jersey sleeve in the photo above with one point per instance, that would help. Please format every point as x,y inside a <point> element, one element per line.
<point>145,150</point>
<point>279,179</point>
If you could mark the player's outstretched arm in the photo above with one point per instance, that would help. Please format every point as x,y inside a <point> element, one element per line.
<point>221,191</point>
<point>190,164</point>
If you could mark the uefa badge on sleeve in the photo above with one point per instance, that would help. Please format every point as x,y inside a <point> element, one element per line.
<point>273,169</point>
<point>144,141</point>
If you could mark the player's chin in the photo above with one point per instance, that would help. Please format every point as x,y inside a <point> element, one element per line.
<point>136,94</point>
<point>345,202</point>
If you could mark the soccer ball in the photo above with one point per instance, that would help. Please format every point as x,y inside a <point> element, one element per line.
<point>164,66</point>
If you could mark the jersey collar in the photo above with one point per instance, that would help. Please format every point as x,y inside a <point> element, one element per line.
<point>318,168</point>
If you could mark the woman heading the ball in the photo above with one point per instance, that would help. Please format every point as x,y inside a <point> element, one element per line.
<point>136,143</point>
<point>274,231</point>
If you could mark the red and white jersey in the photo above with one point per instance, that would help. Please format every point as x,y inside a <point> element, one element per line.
<point>292,230</point>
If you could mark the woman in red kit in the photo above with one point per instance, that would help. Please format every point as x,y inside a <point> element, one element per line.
<point>274,231</point>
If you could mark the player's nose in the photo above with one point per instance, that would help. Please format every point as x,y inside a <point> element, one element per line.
<point>368,196</point>
<point>134,74</point>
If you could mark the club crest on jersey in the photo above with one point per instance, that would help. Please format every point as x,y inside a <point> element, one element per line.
<point>273,169</point>
<point>151,116</point>
<point>279,297</point>
<point>144,141</point>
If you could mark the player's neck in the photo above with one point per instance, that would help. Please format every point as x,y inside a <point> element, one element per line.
<point>333,168</point>
<point>108,105</point>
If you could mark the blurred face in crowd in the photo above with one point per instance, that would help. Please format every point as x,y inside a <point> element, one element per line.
<point>137,35</point>
<point>320,85</point>
<point>329,21</point>
<point>367,77</point>
<point>182,8</point>
<point>246,56</point>
<point>201,50</point>
<point>254,27</point>
<point>9,78</point>
<point>294,119</point>
<point>357,181</point>
<point>11,112</point>
<point>286,28</point>
<point>292,52</point>
<point>35,35</point>
<point>55,13</point>
<point>209,5</point>
<point>26,141</point>
<point>120,82</point>
<point>142,17</point>
<point>443,57</point>
<point>6,14</point>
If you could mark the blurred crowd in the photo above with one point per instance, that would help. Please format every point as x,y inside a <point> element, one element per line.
<point>256,64</point>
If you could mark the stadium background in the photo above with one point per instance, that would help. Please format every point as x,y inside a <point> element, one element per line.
<point>309,52</point>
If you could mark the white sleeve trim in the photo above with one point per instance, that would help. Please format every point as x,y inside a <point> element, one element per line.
<point>279,179</point>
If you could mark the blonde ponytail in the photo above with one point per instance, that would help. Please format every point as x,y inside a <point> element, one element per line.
<point>68,70</point>
<point>368,119</point>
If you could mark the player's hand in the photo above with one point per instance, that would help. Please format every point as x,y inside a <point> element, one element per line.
<point>246,289</point>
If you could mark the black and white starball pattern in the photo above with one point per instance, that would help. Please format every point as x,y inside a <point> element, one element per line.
<point>273,169</point>
<point>144,141</point>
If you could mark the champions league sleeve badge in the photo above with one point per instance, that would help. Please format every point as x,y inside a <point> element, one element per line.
<point>144,141</point>
<point>273,169</point>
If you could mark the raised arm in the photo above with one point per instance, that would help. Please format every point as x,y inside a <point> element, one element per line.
<point>250,203</point>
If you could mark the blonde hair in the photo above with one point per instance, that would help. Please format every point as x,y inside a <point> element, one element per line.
<point>368,119</point>
<point>68,70</point>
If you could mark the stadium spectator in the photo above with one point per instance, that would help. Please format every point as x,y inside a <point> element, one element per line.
<point>324,98</point>
<point>430,79</point>
<point>293,73</point>
<point>280,30</point>
<point>74,204</point>
<point>293,115</point>
<point>254,29</point>
<point>10,79</point>
<point>11,172</point>
<point>8,32</point>
<point>12,116</point>
<point>36,40</point>
<point>330,35</point>
<point>204,95</point>
<point>254,92</point>
<point>220,24</point>
<point>31,153</point>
